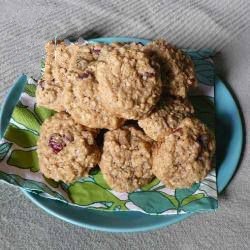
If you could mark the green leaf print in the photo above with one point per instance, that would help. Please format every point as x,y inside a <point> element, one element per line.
<point>199,54</point>
<point>201,204</point>
<point>24,159</point>
<point>30,89</point>
<point>26,118</point>
<point>21,137</point>
<point>34,186</point>
<point>4,148</point>
<point>87,193</point>
<point>204,109</point>
<point>204,67</point>
<point>51,182</point>
<point>203,104</point>
<point>64,186</point>
<point>171,198</point>
<point>204,70</point>
<point>191,198</point>
<point>149,186</point>
<point>20,105</point>
<point>151,202</point>
<point>100,180</point>
<point>43,113</point>
<point>94,171</point>
<point>182,193</point>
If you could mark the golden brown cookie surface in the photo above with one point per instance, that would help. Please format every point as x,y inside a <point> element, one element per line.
<point>184,156</point>
<point>81,99</point>
<point>50,88</point>
<point>166,116</point>
<point>66,149</point>
<point>126,160</point>
<point>177,69</point>
<point>128,84</point>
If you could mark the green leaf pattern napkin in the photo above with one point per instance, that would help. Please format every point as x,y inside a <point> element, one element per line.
<point>19,163</point>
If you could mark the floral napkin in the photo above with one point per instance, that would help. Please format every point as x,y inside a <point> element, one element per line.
<point>19,163</point>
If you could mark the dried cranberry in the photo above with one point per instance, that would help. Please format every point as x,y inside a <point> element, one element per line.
<point>96,50</point>
<point>177,130</point>
<point>41,84</point>
<point>85,74</point>
<point>147,75</point>
<point>57,41</point>
<point>203,140</point>
<point>56,142</point>
<point>168,46</point>
<point>191,81</point>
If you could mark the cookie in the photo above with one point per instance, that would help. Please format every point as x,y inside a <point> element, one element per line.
<point>185,155</point>
<point>66,150</point>
<point>83,55</point>
<point>129,83</point>
<point>50,88</point>
<point>82,102</point>
<point>81,98</point>
<point>177,69</point>
<point>167,115</point>
<point>126,160</point>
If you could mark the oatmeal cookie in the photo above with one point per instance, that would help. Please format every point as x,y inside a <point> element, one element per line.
<point>83,55</point>
<point>177,69</point>
<point>167,115</point>
<point>81,98</point>
<point>66,150</point>
<point>129,83</point>
<point>50,88</point>
<point>185,155</point>
<point>126,160</point>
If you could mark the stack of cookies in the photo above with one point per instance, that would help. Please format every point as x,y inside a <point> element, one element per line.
<point>125,108</point>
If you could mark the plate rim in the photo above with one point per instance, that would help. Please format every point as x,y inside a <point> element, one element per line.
<point>237,157</point>
<point>175,219</point>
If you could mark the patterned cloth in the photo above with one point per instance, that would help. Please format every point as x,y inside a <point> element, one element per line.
<point>19,163</point>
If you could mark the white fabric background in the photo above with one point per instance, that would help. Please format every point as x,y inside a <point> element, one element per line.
<point>221,25</point>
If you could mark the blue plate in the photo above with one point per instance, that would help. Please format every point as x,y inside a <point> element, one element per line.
<point>229,139</point>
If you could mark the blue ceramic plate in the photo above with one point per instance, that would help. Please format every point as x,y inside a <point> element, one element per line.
<point>229,138</point>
